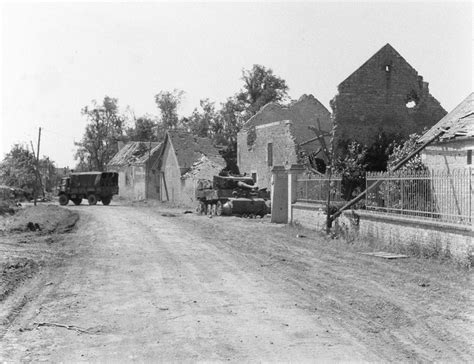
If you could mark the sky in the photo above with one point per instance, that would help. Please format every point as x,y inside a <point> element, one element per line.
<point>58,57</point>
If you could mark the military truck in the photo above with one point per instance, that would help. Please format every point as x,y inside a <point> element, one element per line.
<point>93,186</point>
<point>232,195</point>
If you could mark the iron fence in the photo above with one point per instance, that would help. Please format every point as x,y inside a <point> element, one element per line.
<point>440,195</point>
<point>314,188</point>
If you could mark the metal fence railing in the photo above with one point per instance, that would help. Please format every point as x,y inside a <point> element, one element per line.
<point>314,188</point>
<point>440,195</point>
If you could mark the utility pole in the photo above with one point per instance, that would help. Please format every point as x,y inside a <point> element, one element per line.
<point>148,166</point>
<point>38,177</point>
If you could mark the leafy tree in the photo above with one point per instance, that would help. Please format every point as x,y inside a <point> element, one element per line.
<point>401,150</point>
<point>261,86</point>
<point>206,121</point>
<point>144,129</point>
<point>99,142</point>
<point>18,169</point>
<point>48,174</point>
<point>232,119</point>
<point>352,166</point>
<point>168,102</point>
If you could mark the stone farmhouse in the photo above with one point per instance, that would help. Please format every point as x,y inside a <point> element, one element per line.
<point>384,95</point>
<point>137,178</point>
<point>277,134</point>
<point>184,160</point>
<point>454,148</point>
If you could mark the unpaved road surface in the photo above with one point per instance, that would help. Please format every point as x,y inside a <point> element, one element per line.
<point>133,285</point>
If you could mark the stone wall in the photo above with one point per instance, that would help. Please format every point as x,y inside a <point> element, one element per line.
<point>411,234</point>
<point>384,95</point>
<point>171,175</point>
<point>131,181</point>
<point>254,159</point>
<point>448,155</point>
<point>397,232</point>
<point>309,215</point>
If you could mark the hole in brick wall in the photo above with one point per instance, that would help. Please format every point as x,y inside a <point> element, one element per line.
<point>411,104</point>
<point>412,100</point>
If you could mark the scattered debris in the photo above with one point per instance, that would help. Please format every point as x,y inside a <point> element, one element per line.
<point>69,327</point>
<point>166,214</point>
<point>386,255</point>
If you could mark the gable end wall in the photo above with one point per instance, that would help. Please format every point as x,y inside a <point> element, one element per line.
<point>373,100</point>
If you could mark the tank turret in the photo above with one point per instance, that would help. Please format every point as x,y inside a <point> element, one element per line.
<point>232,195</point>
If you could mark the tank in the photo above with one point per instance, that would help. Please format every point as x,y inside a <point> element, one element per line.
<point>232,195</point>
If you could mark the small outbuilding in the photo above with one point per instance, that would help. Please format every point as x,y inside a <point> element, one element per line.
<point>184,160</point>
<point>453,149</point>
<point>138,178</point>
<point>449,158</point>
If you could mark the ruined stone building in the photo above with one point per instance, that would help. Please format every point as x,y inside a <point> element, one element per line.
<point>277,134</point>
<point>184,160</point>
<point>384,95</point>
<point>138,179</point>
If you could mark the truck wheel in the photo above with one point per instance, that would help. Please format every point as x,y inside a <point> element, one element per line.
<point>77,201</point>
<point>92,199</point>
<point>219,208</point>
<point>106,200</point>
<point>63,200</point>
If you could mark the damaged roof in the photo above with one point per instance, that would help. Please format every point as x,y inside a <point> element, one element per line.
<point>134,153</point>
<point>459,123</point>
<point>306,111</point>
<point>189,149</point>
<point>202,166</point>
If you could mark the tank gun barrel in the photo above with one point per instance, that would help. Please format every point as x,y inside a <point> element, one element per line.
<point>245,185</point>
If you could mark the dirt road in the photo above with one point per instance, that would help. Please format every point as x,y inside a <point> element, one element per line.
<point>139,286</point>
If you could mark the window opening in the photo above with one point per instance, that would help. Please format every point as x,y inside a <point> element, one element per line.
<point>270,154</point>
